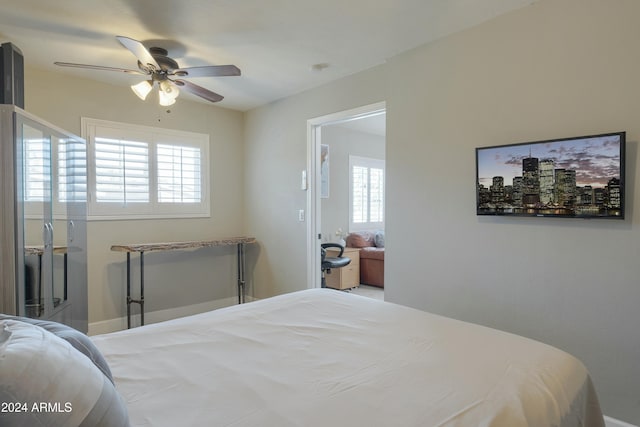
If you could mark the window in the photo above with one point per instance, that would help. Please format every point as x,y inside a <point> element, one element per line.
<point>366,190</point>
<point>144,172</point>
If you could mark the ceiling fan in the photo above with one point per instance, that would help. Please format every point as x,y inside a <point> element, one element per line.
<point>164,71</point>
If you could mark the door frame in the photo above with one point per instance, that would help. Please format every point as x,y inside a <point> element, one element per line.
<point>314,219</point>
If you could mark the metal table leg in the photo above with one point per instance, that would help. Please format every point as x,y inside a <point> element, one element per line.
<point>40,302</point>
<point>241,280</point>
<point>141,301</point>
<point>131,300</point>
<point>66,280</point>
<point>128,290</point>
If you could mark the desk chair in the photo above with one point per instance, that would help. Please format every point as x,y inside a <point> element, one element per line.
<point>332,262</point>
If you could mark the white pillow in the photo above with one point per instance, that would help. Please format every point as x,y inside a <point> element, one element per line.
<point>77,339</point>
<point>45,381</point>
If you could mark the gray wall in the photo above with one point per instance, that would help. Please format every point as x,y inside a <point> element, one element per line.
<point>342,143</point>
<point>557,68</point>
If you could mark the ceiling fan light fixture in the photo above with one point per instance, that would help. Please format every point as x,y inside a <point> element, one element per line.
<point>169,89</point>
<point>142,89</point>
<point>165,99</point>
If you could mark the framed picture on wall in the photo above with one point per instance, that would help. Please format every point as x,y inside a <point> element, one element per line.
<point>324,171</point>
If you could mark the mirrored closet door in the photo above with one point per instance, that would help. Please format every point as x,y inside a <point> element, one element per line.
<point>47,206</point>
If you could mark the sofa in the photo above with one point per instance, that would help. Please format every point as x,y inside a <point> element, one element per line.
<point>371,245</point>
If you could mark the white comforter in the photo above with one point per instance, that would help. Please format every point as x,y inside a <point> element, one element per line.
<point>327,358</point>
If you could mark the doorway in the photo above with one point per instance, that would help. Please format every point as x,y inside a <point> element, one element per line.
<point>320,185</point>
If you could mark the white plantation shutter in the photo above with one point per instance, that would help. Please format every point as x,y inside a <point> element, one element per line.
<point>367,193</point>
<point>121,170</point>
<point>376,195</point>
<point>360,202</point>
<point>144,172</point>
<point>178,174</point>
<point>71,177</point>
<point>37,161</point>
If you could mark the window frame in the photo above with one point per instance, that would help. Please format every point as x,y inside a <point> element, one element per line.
<point>369,163</point>
<point>153,137</point>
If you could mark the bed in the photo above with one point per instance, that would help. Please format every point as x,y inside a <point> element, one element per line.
<point>322,357</point>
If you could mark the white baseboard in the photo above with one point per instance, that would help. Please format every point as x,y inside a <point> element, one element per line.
<point>118,324</point>
<point>612,422</point>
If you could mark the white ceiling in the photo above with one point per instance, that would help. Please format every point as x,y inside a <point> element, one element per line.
<point>274,42</point>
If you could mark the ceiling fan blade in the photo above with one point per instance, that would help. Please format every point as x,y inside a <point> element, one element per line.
<point>100,67</point>
<point>140,52</point>
<point>208,71</point>
<point>199,91</point>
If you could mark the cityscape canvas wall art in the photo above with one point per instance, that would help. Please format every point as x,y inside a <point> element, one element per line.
<point>579,177</point>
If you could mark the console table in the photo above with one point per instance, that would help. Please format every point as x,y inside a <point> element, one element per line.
<point>240,242</point>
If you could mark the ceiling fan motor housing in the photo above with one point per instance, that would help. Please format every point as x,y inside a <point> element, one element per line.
<point>166,64</point>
